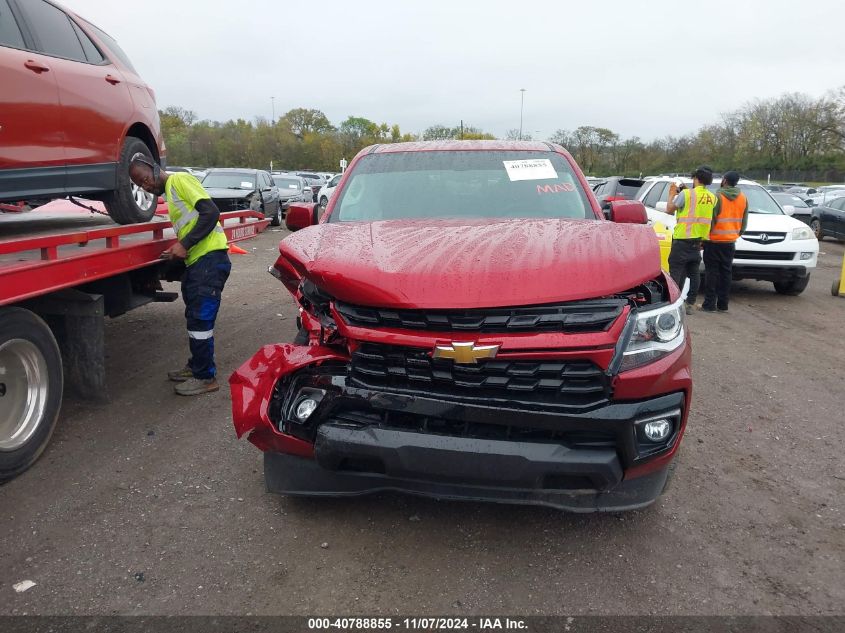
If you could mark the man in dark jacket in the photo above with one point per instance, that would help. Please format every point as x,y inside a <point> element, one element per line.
<point>730,219</point>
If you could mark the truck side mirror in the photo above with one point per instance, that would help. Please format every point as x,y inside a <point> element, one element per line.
<point>300,215</point>
<point>628,212</point>
<point>789,209</point>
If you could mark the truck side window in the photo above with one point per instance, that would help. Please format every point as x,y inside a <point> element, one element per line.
<point>54,31</point>
<point>10,33</point>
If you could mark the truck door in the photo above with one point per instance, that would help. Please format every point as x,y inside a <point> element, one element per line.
<point>30,121</point>
<point>93,94</point>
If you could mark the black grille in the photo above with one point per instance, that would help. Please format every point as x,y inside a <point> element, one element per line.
<point>757,237</point>
<point>579,383</point>
<point>764,255</point>
<point>573,438</point>
<point>582,316</point>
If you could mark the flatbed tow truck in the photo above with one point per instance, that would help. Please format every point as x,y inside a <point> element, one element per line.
<point>62,271</point>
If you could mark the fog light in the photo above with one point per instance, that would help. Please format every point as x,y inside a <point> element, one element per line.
<point>305,408</point>
<point>806,256</point>
<point>657,430</point>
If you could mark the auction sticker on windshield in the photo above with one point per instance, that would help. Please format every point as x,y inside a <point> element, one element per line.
<point>532,169</point>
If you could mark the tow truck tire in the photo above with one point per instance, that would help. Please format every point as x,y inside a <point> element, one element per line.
<point>792,287</point>
<point>31,385</point>
<point>122,205</point>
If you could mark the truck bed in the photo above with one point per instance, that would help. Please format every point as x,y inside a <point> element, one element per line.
<point>61,245</point>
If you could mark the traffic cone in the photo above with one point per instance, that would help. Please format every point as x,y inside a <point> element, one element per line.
<point>237,250</point>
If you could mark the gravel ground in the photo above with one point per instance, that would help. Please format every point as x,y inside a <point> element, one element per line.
<point>149,505</point>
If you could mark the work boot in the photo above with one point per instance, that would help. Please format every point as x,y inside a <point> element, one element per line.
<point>196,386</point>
<point>689,308</point>
<point>722,308</point>
<point>180,375</point>
<point>706,307</point>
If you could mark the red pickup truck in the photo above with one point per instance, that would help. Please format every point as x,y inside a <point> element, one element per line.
<point>472,327</point>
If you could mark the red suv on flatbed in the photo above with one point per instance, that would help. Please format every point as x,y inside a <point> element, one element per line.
<point>472,327</point>
<point>74,111</point>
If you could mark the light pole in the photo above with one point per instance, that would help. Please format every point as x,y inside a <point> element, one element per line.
<point>273,101</point>
<point>521,108</point>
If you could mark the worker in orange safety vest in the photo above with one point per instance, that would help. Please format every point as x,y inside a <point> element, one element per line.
<point>730,218</point>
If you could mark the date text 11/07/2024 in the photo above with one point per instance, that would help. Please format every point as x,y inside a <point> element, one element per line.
<point>417,624</point>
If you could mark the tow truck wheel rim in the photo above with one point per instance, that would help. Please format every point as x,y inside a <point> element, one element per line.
<point>23,392</point>
<point>143,199</point>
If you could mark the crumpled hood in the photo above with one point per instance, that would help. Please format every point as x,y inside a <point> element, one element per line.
<point>471,264</point>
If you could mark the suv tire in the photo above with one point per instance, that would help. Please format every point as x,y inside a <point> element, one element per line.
<point>792,287</point>
<point>121,203</point>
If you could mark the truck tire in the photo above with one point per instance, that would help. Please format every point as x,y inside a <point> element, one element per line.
<point>129,203</point>
<point>31,383</point>
<point>792,287</point>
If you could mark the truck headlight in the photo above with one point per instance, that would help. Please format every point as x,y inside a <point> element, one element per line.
<point>802,233</point>
<point>655,334</point>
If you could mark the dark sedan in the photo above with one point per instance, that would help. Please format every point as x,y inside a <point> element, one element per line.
<point>241,189</point>
<point>291,189</point>
<point>616,188</point>
<point>828,220</point>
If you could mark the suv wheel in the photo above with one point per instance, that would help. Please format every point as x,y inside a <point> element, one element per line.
<point>324,201</point>
<point>277,217</point>
<point>816,226</point>
<point>792,287</point>
<point>129,204</point>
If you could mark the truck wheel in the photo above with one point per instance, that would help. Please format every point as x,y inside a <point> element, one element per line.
<point>792,287</point>
<point>324,202</point>
<point>129,203</point>
<point>30,389</point>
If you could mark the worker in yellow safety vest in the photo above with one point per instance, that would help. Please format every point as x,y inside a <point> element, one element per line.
<point>202,246</point>
<point>730,217</point>
<point>693,209</point>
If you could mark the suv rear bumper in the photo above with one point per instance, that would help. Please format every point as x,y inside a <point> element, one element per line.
<point>298,476</point>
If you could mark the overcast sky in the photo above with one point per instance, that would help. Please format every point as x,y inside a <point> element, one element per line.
<point>639,68</point>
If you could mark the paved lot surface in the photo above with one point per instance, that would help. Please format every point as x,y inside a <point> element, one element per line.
<point>149,505</point>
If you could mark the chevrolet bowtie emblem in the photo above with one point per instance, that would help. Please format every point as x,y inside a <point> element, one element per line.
<point>465,353</point>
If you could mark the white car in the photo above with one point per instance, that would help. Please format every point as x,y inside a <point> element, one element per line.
<point>827,193</point>
<point>327,191</point>
<point>775,247</point>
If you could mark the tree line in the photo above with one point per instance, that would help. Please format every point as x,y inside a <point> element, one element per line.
<point>794,136</point>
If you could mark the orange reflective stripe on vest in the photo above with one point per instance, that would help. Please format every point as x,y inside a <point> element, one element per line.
<point>728,224</point>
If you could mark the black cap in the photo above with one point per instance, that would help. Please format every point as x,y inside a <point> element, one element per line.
<point>704,174</point>
<point>731,178</point>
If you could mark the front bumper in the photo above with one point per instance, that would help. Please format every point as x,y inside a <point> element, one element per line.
<point>765,271</point>
<point>361,440</point>
<point>297,476</point>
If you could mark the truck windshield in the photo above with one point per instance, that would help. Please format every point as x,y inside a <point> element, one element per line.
<point>462,184</point>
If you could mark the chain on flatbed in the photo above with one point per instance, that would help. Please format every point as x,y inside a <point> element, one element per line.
<point>85,206</point>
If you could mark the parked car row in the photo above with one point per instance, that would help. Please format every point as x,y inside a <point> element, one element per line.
<point>235,189</point>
